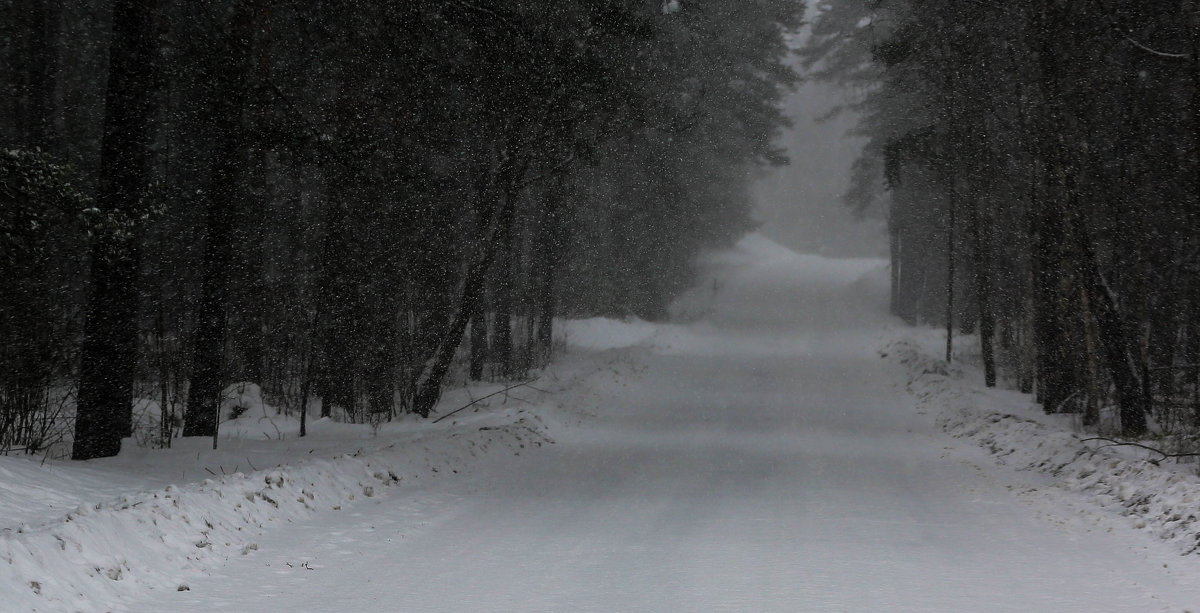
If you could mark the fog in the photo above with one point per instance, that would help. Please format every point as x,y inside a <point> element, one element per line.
<point>800,205</point>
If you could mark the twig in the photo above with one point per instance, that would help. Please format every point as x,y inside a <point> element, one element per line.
<point>1127,35</point>
<point>481,398</point>
<point>1174,56</point>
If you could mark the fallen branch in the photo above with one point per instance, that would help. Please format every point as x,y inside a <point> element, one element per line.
<point>1165,455</point>
<point>482,398</point>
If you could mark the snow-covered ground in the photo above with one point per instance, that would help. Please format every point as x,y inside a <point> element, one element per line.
<point>785,446</point>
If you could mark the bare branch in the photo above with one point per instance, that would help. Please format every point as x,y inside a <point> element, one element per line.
<point>1174,56</point>
<point>1116,443</point>
<point>482,398</point>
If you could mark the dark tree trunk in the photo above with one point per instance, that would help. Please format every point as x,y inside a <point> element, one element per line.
<point>338,298</point>
<point>248,272</point>
<point>1192,346</point>
<point>306,375</point>
<point>108,360</point>
<point>1056,298</point>
<point>429,390</point>
<point>204,394</point>
<point>983,291</point>
<point>505,274</point>
<point>950,266</point>
<point>896,249</point>
<point>549,246</point>
<point>380,381</point>
<point>1028,353</point>
<point>338,304</point>
<point>1192,349</point>
<point>479,344</point>
<point>1091,411</point>
<point>256,189</point>
<point>546,304</point>
<point>1132,397</point>
<point>225,192</point>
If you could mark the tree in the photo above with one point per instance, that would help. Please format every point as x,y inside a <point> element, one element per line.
<point>981,105</point>
<point>110,349</point>
<point>327,194</point>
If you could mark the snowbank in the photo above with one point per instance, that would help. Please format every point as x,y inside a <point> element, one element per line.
<point>1163,499</point>
<point>101,553</point>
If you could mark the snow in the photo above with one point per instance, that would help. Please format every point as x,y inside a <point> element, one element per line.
<point>1158,496</point>
<point>88,536</point>
<point>784,446</point>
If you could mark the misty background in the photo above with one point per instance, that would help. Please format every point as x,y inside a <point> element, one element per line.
<point>800,205</point>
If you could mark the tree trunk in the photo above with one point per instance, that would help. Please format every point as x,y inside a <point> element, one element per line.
<point>226,190</point>
<point>108,359</point>
<point>255,190</point>
<point>429,390</point>
<point>546,305</point>
<point>549,245</point>
<point>1091,411</point>
<point>1028,356</point>
<point>1123,366</point>
<point>1192,349</point>
<point>953,204</point>
<point>249,301</point>
<point>338,300</point>
<point>1053,258</point>
<point>479,344</point>
<point>983,289</point>
<point>201,416</point>
<point>505,274</point>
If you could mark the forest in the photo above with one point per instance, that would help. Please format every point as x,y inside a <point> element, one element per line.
<point>1039,163</point>
<point>356,202</point>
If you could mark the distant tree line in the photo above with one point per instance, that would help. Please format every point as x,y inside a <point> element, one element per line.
<point>1041,165</point>
<point>349,200</point>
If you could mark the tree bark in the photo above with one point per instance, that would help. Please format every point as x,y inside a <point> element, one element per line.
<point>226,190</point>
<point>549,246</point>
<point>479,344</point>
<point>1132,397</point>
<point>208,351</point>
<point>1053,257</point>
<point>953,204</point>
<point>505,274</point>
<point>108,360</point>
<point>429,390</point>
<point>983,289</point>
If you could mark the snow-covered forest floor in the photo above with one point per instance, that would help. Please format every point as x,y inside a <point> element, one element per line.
<point>784,445</point>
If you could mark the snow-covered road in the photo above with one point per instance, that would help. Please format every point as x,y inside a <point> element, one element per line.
<point>761,458</point>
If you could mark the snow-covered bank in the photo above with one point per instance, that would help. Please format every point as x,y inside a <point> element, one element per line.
<point>112,546</point>
<point>1161,497</point>
<point>88,536</point>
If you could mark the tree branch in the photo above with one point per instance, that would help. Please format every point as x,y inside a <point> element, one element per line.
<point>1116,443</point>
<point>482,398</point>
